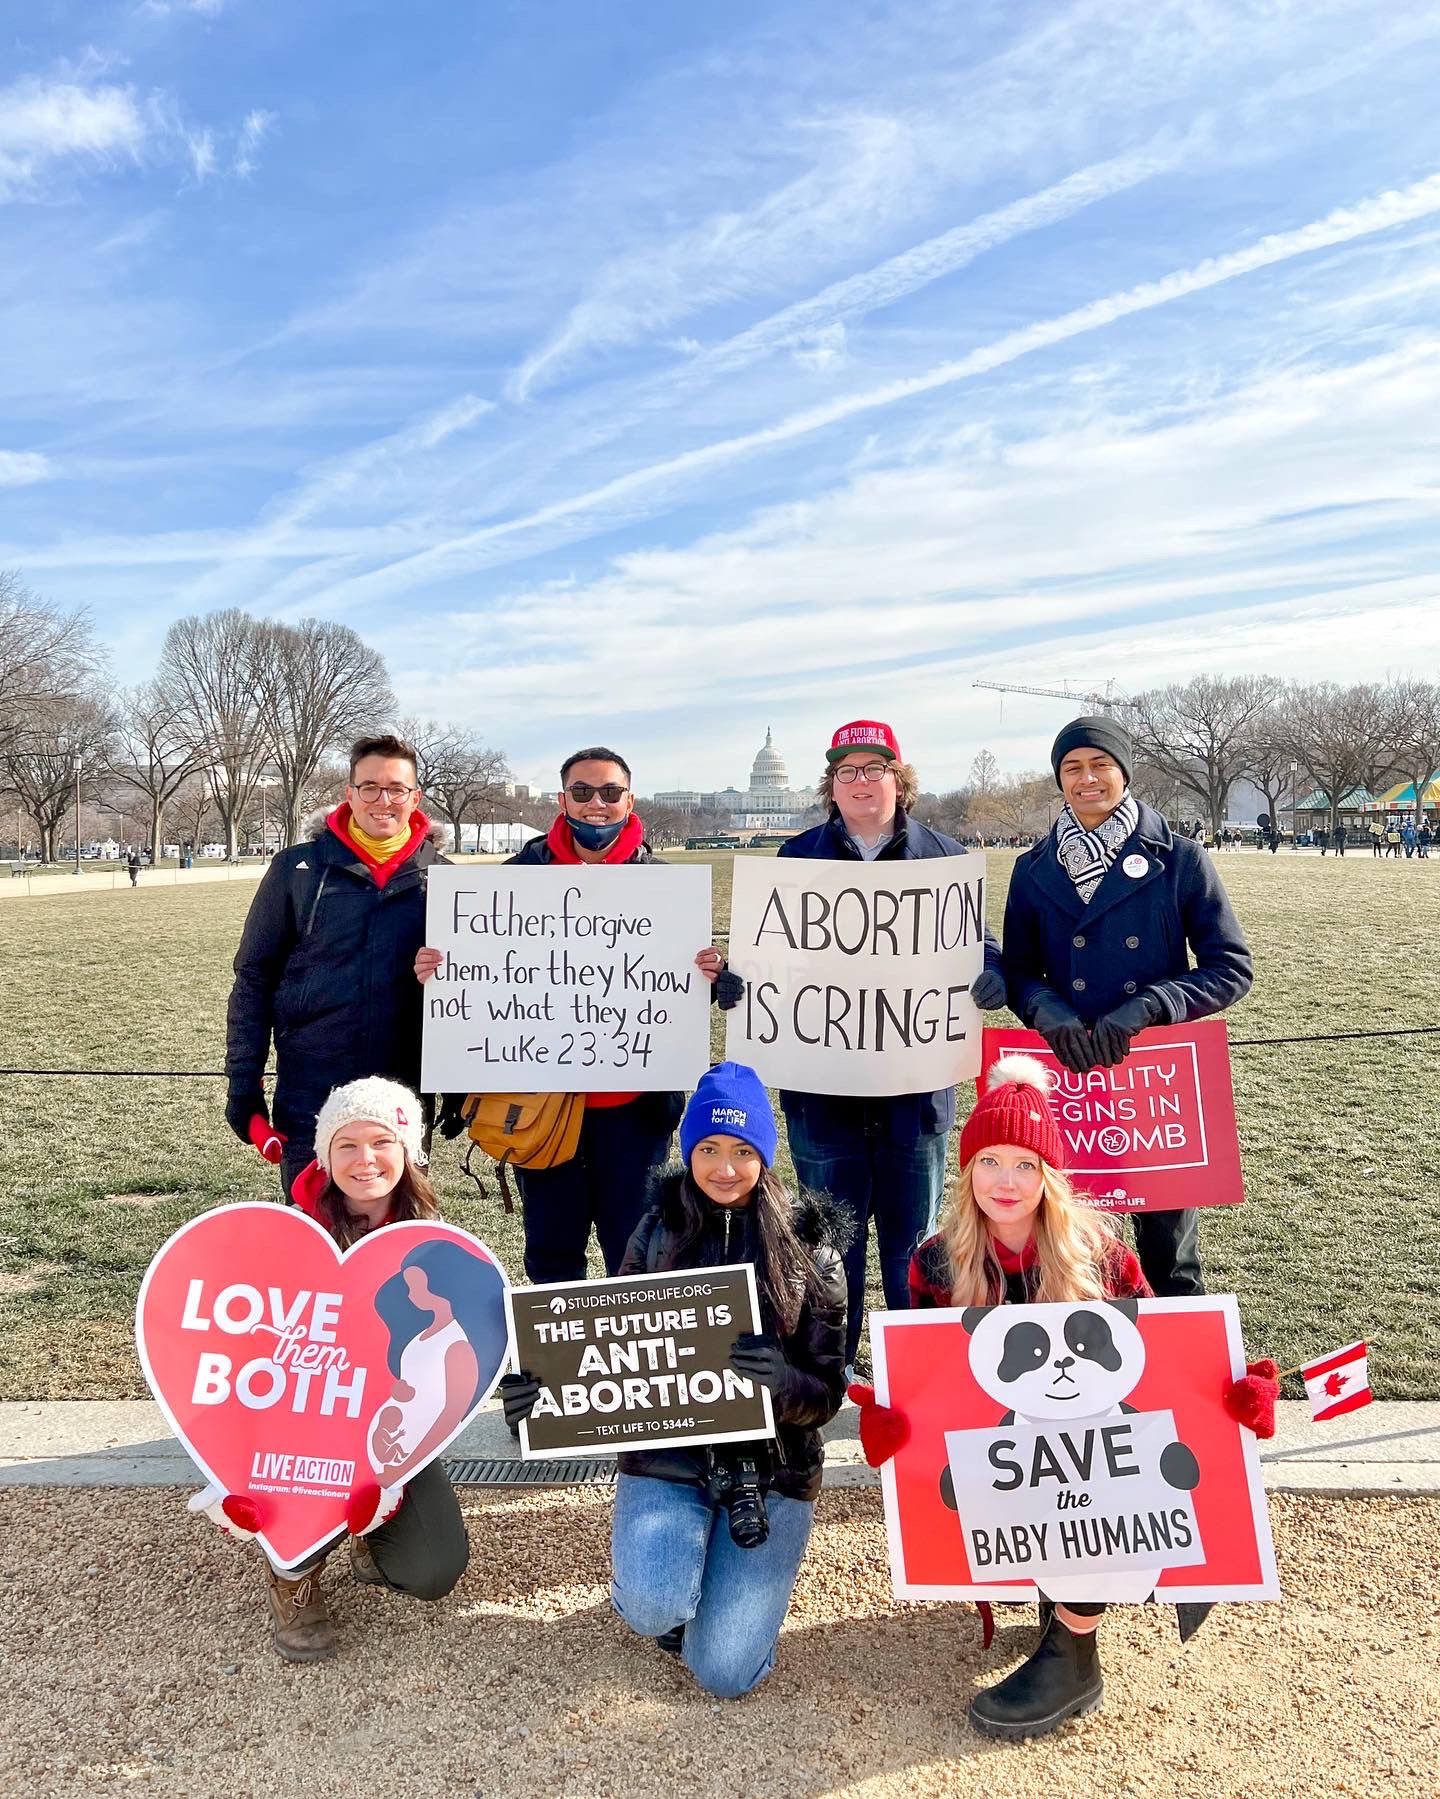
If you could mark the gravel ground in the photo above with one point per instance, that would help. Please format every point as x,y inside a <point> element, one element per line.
<point>138,1660</point>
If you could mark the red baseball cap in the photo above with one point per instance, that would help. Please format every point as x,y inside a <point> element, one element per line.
<point>863,734</point>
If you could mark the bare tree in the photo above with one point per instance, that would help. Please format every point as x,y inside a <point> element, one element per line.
<point>1016,805</point>
<point>1197,732</point>
<point>207,665</point>
<point>948,812</point>
<point>462,777</point>
<point>1337,735</point>
<point>190,806</point>
<point>985,772</point>
<point>46,655</point>
<point>1270,757</point>
<point>67,740</point>
<point>1413,735</point>
<point>152,752</point>
<point>318,685</point>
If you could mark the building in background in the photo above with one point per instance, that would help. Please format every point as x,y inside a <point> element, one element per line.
<point>769,803</point>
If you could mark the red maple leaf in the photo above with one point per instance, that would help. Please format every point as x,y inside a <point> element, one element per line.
<point>1335,1382</point>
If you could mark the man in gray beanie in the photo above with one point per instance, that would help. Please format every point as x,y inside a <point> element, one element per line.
<point>1102,920</point>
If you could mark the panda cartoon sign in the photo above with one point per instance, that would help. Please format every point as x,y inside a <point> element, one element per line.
<point>1081,1448</point>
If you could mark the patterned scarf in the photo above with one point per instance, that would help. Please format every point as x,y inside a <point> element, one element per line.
<point>1087,855</point>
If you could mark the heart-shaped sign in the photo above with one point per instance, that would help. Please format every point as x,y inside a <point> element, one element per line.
<point>297,1376</point>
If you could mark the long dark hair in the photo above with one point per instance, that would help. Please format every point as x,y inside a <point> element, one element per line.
<point>474,1290</point>
<point>411,1197</point>
<point>785,1270</point>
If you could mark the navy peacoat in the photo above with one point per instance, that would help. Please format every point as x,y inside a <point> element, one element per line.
<point>1133,934</point>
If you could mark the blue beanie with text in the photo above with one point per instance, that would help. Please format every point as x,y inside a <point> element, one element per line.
<point>730,1101</point>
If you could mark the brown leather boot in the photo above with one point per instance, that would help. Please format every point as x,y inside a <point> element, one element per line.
<point>301,1627</point>
<point>363,1564</point>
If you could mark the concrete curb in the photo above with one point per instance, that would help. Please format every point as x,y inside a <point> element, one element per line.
<point>1391,1447</point>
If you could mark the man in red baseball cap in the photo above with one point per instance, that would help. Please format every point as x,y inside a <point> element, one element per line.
<point>880,1156</point>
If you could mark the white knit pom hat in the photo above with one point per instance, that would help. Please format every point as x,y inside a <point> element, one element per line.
<point>377,1101</point>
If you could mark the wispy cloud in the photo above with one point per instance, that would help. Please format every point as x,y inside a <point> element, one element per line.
<point>22,468</point>
<point>253,130</point>
<point>45,124</point>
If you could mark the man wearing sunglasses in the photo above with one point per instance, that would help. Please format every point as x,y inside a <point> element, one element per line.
<point>624,1137</point>
<point>883,1157</point>
<point>325,961</point>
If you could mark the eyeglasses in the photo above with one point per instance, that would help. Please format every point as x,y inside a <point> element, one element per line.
<point>871,771</point>
<point>612,792</point>
<point>372,790</point>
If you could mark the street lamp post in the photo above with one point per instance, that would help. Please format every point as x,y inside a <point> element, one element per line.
<point>77,815</point>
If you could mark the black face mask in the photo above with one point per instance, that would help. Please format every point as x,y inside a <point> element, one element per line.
<point>593,837</point>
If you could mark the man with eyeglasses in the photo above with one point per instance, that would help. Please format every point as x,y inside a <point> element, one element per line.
<point>325,962</point>
<point>624,1137</point>
<point>883,1158</point>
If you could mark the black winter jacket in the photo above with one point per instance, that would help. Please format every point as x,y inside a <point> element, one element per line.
<point>1133,934</point>
<point>902,1116</point>
<point>327,965</point>
<point>814,1350</point>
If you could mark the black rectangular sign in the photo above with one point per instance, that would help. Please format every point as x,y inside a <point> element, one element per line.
<point>640,1361</point>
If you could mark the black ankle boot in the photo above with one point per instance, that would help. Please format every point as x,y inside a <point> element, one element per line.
<point>671,1641</point>
<point>1061,1680</point>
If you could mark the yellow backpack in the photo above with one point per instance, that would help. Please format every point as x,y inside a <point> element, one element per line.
<point>530,1130</point>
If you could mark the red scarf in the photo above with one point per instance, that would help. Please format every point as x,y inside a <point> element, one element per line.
<point>1012,1262</point>
<point>562,844</point>
<point>339,823</point>
<point>562,849</point>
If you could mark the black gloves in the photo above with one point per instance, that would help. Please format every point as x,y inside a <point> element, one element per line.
<point>988,990</point>
<point>242,1105</point>
<point>518,1393</point>
<point>1112,1033</point>
<point>1065,1034</point>
<point>729,989</point>
<point>760,1358</point>
<point>452,1120</point>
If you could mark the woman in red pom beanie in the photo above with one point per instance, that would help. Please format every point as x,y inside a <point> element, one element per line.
<point>1013,1231</point>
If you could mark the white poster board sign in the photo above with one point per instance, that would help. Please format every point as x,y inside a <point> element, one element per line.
<point>857,973</point>
<point>1089,1499</point>
<point>566,980</point>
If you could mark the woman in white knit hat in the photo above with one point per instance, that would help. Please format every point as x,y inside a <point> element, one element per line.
<point>369,1171</point>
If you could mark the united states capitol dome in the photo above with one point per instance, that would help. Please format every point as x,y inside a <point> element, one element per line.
<point>769,770</point>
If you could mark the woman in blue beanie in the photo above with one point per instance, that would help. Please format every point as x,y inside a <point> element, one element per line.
<point>681,1571</point>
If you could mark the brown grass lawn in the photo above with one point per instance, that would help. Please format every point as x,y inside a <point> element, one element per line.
<point>1339,1236</point>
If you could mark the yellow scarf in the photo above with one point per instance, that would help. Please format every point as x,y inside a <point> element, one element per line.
<point>381,848</point>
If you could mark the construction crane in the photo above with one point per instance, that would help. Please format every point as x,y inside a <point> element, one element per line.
<point>1105,702</point>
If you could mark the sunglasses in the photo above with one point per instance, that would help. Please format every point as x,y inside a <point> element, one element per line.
<point>612,793</point>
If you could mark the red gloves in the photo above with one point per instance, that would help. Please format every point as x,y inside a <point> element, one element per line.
<point>266,1138</point>
<point>236,1514</point>
<point>883,1430</point>
<point>369,1506</point>
<point>1251,1399</point>
<point>307,1187</point>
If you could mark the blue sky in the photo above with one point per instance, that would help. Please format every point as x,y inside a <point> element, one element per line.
<point>656,373</point>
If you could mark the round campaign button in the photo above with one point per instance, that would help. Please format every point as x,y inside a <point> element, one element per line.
<point>1135,866</point>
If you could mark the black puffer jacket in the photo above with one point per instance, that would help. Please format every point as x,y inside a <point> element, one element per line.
<point>814,1350</point>
<point>327,964</point>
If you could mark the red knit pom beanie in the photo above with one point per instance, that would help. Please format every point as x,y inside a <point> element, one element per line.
<point>1014,1110</point>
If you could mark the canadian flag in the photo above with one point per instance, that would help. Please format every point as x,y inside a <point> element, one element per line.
<point>1337,1382</point>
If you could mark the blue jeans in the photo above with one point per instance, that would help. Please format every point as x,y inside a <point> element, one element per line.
<point>900,1183</point>
<point>673,1563</point>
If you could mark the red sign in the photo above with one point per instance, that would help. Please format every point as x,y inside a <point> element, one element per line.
<point>295,1375</point>
<point>1154,1134</point>
<point>948,1372</point>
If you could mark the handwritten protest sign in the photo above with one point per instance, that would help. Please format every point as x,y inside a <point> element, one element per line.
<point>566,980</point>
<point>1073,1447</point>
<point>1154,1133</point>
<point>640,1361</point>
<point>857,974</point>
<point>295,1375</point>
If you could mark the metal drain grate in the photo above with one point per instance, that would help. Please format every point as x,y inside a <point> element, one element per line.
<point>556,1473</point>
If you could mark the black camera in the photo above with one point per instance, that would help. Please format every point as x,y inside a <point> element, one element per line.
<point>734,1482</point>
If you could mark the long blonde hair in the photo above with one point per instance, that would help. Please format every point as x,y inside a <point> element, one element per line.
<point>1072,1243</point>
